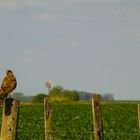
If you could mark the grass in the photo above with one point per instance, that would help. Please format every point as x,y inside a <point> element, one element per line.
<point>31,123</point>
<point>72,121</point>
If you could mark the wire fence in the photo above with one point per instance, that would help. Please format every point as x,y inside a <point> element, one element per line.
<point>75,122</point>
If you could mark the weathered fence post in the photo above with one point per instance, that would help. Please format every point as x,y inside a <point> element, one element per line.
<point>9,119</point>
<point>97,117</point>
<point>139,116</point>
<point>48,121</point>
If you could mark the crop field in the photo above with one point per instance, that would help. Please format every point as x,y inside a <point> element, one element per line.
<point>73,121</point>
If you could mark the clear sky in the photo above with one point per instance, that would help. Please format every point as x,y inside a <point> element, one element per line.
<point>88,45</point>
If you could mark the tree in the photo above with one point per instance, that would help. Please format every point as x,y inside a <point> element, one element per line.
<point>21,97</point>
<point>75,96</point>
<point>108,96</point>
<point>49,84</point>
<point>59,94</point>
<point>17,95</point>
<point>55,91</point>
<point>39,98</point>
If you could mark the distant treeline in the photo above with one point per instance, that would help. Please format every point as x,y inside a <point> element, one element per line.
<point>58,93</point>
<point>88,96</point>
<point>20,96</point>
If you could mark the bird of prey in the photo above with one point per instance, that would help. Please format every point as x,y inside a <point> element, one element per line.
<point>9,83</point>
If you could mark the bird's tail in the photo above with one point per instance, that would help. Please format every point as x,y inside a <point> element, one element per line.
<point>1,97</point>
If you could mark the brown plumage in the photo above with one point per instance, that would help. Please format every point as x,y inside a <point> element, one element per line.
<point>9,83</point>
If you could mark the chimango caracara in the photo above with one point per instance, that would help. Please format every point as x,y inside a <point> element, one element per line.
<point>9,83</point>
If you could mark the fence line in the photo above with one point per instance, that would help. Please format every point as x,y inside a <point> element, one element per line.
<point>55,131</point>
<point>113,108</point>
<point>120,111</point>
<point>97,115</point>
<point>119,133</point>
<point>87,132</point>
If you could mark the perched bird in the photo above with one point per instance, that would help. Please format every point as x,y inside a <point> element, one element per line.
<point>9,83</point>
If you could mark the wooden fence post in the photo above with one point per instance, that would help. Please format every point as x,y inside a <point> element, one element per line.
<point>139,116</point>
<point>48,120</point>
<point>9,119</point>
<point>97,117</point>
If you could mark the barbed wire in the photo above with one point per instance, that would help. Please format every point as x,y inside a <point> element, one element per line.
<point>114,107</point>
<point>120,110</point>
<point>105,109</point>
<point>87,132</point>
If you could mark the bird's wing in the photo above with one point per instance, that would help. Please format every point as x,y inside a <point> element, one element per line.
<point>8,85</point>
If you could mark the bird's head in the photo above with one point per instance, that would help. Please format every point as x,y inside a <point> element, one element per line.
<point>8,72</point>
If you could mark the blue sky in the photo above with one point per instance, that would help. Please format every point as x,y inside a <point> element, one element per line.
<point>89,45</point>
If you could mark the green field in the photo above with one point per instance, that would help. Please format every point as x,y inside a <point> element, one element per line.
<point>73,121</point>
